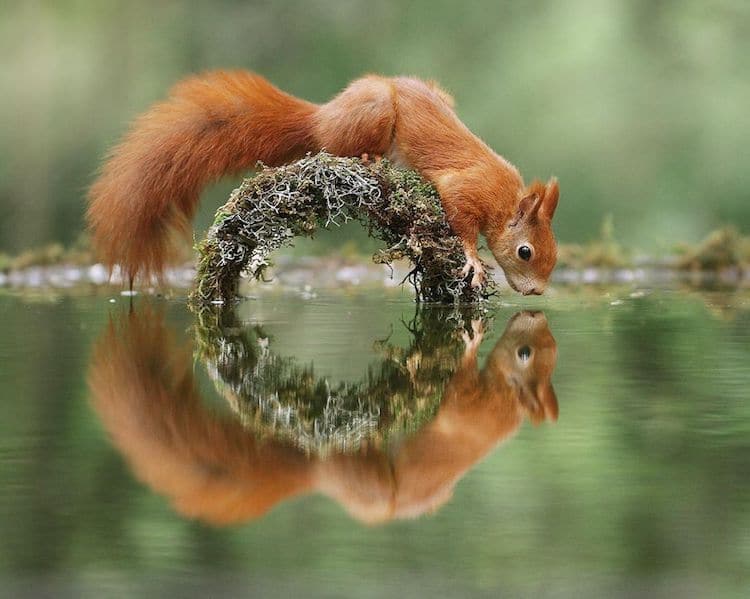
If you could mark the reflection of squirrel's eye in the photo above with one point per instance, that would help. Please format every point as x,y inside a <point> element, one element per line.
<point>524,352</point>
<point>524,252</point>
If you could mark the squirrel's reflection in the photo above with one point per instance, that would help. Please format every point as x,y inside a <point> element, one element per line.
<point>213,468</point>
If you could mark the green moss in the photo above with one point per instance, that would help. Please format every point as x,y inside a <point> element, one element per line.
<point>721,249</point>
<point>399,207</point>
<point>78,254</point>
<point>604,252</point>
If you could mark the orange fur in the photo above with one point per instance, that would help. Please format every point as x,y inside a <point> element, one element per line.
<point>224,122</point>
<point>212,468</point>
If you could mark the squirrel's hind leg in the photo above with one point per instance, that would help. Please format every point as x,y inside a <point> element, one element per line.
<point>360,120</point>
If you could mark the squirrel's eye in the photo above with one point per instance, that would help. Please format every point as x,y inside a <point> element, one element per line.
<point>524,353</point>
<point>524,252</point>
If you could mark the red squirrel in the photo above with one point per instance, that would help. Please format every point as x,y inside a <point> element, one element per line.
<point>224,122</point>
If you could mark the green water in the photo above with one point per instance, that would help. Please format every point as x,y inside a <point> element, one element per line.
<point>633,481</point>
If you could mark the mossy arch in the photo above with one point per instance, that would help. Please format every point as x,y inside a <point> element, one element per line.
<point>396,205</point>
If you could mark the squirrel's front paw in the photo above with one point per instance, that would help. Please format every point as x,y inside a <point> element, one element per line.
<point>472,263</point>
<point>478,279</point>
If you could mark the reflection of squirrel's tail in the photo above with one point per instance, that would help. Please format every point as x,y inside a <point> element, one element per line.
<point>144,391</point>
<point>210,126</point>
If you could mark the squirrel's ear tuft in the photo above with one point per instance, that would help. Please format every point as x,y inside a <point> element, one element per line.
<point>526,207</point>
<point>551,196</point>
<point>530,203</point>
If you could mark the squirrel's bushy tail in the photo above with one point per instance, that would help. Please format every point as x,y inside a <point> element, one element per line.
<point>212,125</point>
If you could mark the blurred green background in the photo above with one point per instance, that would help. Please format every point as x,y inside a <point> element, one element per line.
<point>639,107</point>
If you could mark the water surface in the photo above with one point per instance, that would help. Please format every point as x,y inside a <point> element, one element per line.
<point>598,444</point>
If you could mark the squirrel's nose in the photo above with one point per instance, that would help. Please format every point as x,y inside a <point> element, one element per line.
<point>534,291</point>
